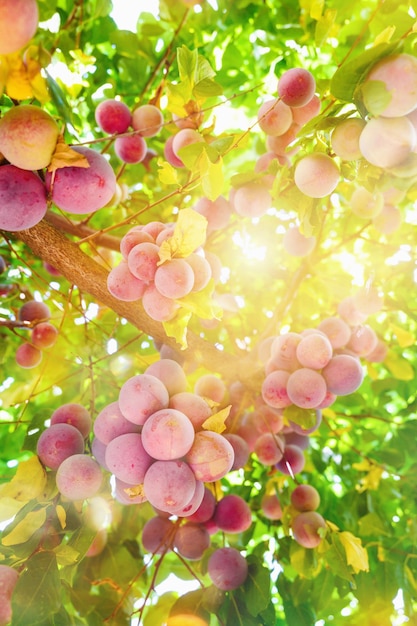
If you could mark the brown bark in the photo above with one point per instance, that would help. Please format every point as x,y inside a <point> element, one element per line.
<point>52,246</point>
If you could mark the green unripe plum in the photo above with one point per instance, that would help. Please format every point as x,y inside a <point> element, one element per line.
<point>28,137</point>
<point>345,139</point>
<point>18,24</point>
<point>366,204</point>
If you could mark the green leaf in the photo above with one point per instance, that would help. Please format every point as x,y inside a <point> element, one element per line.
<point>212,180</point>
<point>350,75</point>
<point>207,88</point>
<point>24,530</point>
<point>187,63</point>
<point>37,594</point>
<point>257,587</point>
<point>306,418</point>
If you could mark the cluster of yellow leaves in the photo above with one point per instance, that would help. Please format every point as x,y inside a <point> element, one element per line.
<point>21,77</point>
<point>373,477</point>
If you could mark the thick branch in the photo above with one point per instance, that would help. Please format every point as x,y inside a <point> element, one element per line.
<point>81,230</point>
<point>53,247</point>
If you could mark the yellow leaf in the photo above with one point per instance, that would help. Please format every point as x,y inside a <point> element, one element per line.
<point>212,179</point>
<point>28,482</point>
<point>404,337</point>
<point>167,174</point>
<point>64,156</point>
<point>216,422</point>
<point>26,528</point>
<point>189,234</point>
<point>66,555</point>
<point>372,479</point>
<point>356,554</point>
<point>61,515</point>
<point>177,327</point>
<point>316,9</point>
<point>18,86</point>
<point>9,507</point>
<point>135,491</point>
<point>201,303</point>
<point>385,36</point>
<point>399,367</point>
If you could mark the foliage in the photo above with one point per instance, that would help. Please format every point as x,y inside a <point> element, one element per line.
<point>222,59</point>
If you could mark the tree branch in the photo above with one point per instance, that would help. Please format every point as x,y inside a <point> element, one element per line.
<point>52,246</point>
<point>81,230</point>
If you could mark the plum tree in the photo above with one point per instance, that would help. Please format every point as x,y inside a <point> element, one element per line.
<point>208,282</point>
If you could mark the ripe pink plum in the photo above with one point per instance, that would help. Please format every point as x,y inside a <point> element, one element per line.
<point>170,155</point>
<point>44,335</point>
<point>8,581</point>
<point>83,189</point>
<point>184,138</point>
<point>398,73</point>
<point>227,568</point>
<point>279,144</point>
<point>269,449</point>
<point>211,456</point>
<point>143,260</point>
<point>174,278</point>
<point>388,220</point>
<point>349,311</point>
<point>296,87</point>
<point>98,450</point>
<point>387,142</point>
<point>268,419</point>
<point>302,115</point>
<point>147,120</point>
<point>22,198</point>
<point>132,238</point>
<point>57,443</point>
<point>293,460</point>
<point>345,139</point>
<point>284,350</point>
<point>158,534</point>
<point>18,24</point>
<point>123,285</point>
<point>191,541</point>
<point>167,434</point>
<point>274,389</point>
<point>127,458</point>
<point>28,356</point>
<point>337,331</point>
<point>363,340</point>
<point>206,509</point>
<point>297,244</point>
<point>170,373</point>
<point>142,395</point>
<point>274,117</point>
<point>366,204</point>
<point>79,477</point>
<point>252,200</point>
<point>240,449</point>
<point>28,136</point>
<point>306,388</point>
<point>233,514</point>
<point>110,423</point>
<point>305,498</point>
<point>210,386</point>
<point>34,311</point>
<point>74,414</point>
<point>271,506</point>
<point>305,527</point>
<point>343,374</point>
<point>378,354</point>
<point>113,116</point>
<point>316,175</point>
<point>201,270</point>
<point>130,148</point>
<point>169,485</point>
<point>314,351</point>
<point>157,306</point>
<point>126,493</point>
<point>194,406</point>
<point>217,212</point>
<point>368,299</point>
<point>193,504</point>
